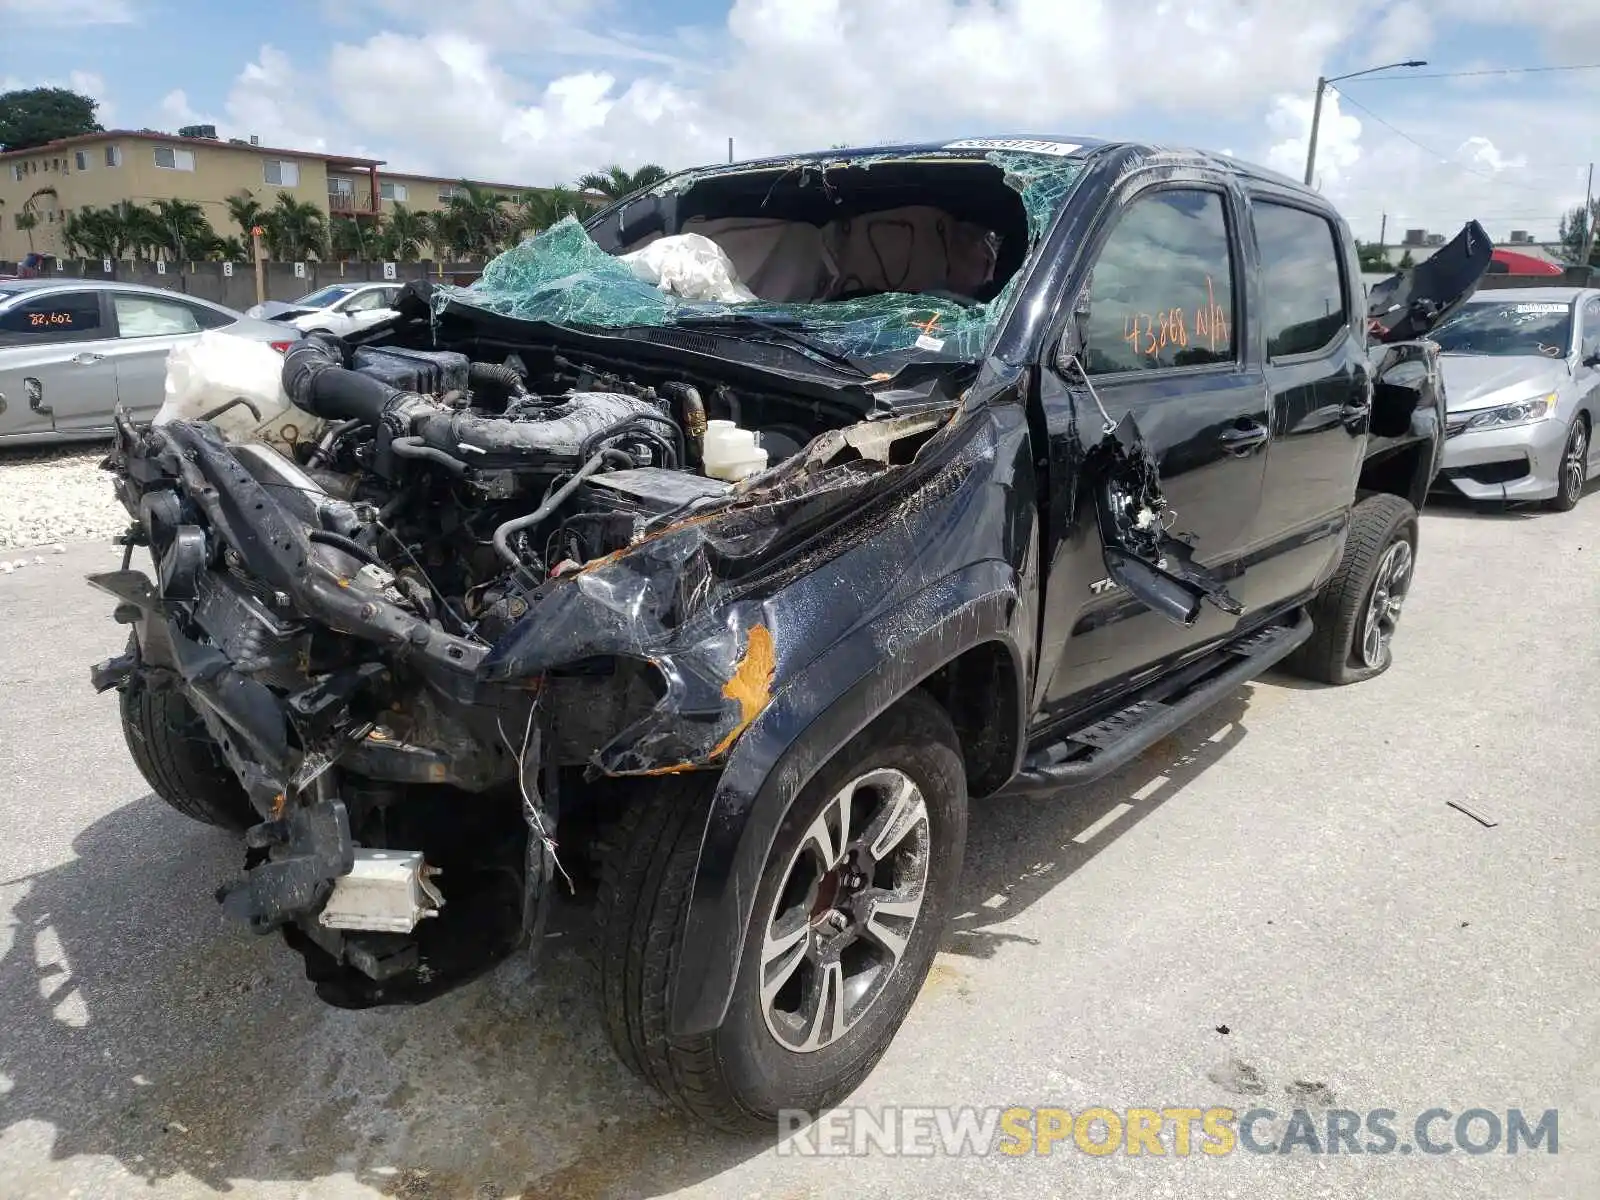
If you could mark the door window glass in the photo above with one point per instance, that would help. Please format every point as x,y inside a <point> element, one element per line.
<point>146,316</point>
<point>1161,294</point>
<point>59,315</point>
<point>1302,290</point>
<point>1591,329</point>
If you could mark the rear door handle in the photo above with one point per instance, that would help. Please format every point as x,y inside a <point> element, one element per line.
<point>1242,438</point>
<point>87,358</point>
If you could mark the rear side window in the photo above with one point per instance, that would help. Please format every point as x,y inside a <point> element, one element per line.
<point>1161,294</point>
<point>157,316</point>
<point>60,315</point>
<point>1591,328</point>
<point>1303,305</point>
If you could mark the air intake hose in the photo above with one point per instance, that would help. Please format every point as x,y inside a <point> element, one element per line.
<point>316,379</point>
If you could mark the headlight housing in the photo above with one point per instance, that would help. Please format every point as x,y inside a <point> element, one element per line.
<point>1523,412</point>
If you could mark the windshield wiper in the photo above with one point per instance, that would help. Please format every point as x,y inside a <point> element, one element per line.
<point>788,331</point>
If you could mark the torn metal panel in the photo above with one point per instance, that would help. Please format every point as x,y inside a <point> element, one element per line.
<point>1133,517</point>
<point>684,598</point>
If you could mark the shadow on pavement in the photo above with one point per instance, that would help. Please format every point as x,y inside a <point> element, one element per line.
<point>1020,849</point>
<point>142,1026</point>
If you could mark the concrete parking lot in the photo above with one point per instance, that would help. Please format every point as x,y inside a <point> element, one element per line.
<point>1273,908</point>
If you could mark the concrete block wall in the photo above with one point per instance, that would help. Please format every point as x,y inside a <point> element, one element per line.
<point>209,281</point>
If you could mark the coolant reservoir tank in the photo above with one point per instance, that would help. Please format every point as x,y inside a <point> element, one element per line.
<point>731,452</point>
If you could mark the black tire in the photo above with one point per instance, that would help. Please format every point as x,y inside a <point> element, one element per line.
<point>1569,487</point>
<point>1340,612</point>
<point>178,759</point>
<point>738,1077</point>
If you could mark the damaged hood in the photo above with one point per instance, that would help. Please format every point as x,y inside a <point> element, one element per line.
<point>1476,381</point>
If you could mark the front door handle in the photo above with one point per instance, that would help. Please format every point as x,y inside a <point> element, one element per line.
<point>1241,439</point>
<point>87,358</point>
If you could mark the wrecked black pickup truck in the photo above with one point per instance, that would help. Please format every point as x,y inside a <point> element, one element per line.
<point>711,555</point>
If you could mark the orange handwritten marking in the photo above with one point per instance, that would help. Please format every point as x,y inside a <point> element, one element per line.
<point>927,326</point>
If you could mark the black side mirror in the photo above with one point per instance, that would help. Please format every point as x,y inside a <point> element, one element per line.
<point>1592,360</point>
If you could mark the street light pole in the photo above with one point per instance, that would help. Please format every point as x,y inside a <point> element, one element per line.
<point>1316,107</point>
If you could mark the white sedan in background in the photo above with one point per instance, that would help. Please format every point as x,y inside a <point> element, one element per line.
<point>340,308</point>
<point>71,351</point>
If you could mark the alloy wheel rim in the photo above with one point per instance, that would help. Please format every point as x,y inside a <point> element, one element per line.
<point>845,910</point>
<point>1574,465</point>
<point>1389,587</point>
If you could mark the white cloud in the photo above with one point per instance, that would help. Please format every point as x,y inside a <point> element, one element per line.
<point>64,14</point>
<point>539,90</point>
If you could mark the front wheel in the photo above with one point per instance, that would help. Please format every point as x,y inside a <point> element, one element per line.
<point>846,920</point>
<point>1355,615</point>
<point>1574,470</point>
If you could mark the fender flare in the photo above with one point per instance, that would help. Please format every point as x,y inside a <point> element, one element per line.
<point>819,710</point>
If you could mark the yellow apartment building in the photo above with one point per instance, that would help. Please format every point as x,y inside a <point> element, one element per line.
<point>99,169</point>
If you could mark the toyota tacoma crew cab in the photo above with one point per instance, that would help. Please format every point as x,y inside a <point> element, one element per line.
<point>714,557</point>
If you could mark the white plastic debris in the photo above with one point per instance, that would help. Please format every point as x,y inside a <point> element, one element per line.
<point>6,568</point>
<point>38,560</point>
<point>58,548</point>
<point>216,368</point>
<point>692,266</point>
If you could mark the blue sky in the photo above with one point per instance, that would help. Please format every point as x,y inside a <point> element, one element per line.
<point>535,91</point>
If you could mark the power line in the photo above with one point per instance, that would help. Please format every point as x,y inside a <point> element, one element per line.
<point>1491,71</point>
<point>1430,150</point>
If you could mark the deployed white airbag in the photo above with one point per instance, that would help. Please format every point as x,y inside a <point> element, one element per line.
<point>216,367</point>
<point>691,266</point>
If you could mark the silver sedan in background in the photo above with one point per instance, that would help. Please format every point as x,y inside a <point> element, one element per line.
<point>71,351</point>
<point>1522,382</point>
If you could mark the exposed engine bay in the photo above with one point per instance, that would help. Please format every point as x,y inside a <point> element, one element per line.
<point>351,614</point>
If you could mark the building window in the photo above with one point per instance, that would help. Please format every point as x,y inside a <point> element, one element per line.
<point>113,156</point>
<point>81,158</point>
<point>393,191</point>
<point>281,172</point>
<point>171,158</point>
<point>341,187</point>
<point>447,194</point>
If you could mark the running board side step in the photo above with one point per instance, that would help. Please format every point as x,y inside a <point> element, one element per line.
<point>1097,749</point>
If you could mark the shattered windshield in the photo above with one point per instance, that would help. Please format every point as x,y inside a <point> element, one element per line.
<point>912,255</point>
<point>1508,329</point>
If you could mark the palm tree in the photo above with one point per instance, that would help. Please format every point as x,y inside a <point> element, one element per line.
<point>294,229</point>
<point>616,182</point>
<point>188,234</point>
<point>28,216</point>
<point>542,209</point>
<point>350,239</point>
<point>139,228</point>
<point>228,249</point>
<point>246,212</point>
<point>407,232</point>
<point>474,223</point>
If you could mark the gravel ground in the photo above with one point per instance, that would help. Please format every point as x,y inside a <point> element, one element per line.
<point>56,495</point>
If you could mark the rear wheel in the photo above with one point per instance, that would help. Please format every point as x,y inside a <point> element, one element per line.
<point>846,920</point>
<point>1357,611</point>
<point>1573,472</point>
<point>179,760</point>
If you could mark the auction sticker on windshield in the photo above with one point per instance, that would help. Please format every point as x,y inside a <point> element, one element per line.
<point>1542,307</point>
<point>1022,145</point>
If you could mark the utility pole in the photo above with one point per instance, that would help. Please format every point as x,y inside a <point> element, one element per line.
<point>1588,212</point>
<point>261,281</point>
<point>1316,107</point>
<point>1383,228</point>
<point>730,149</point>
